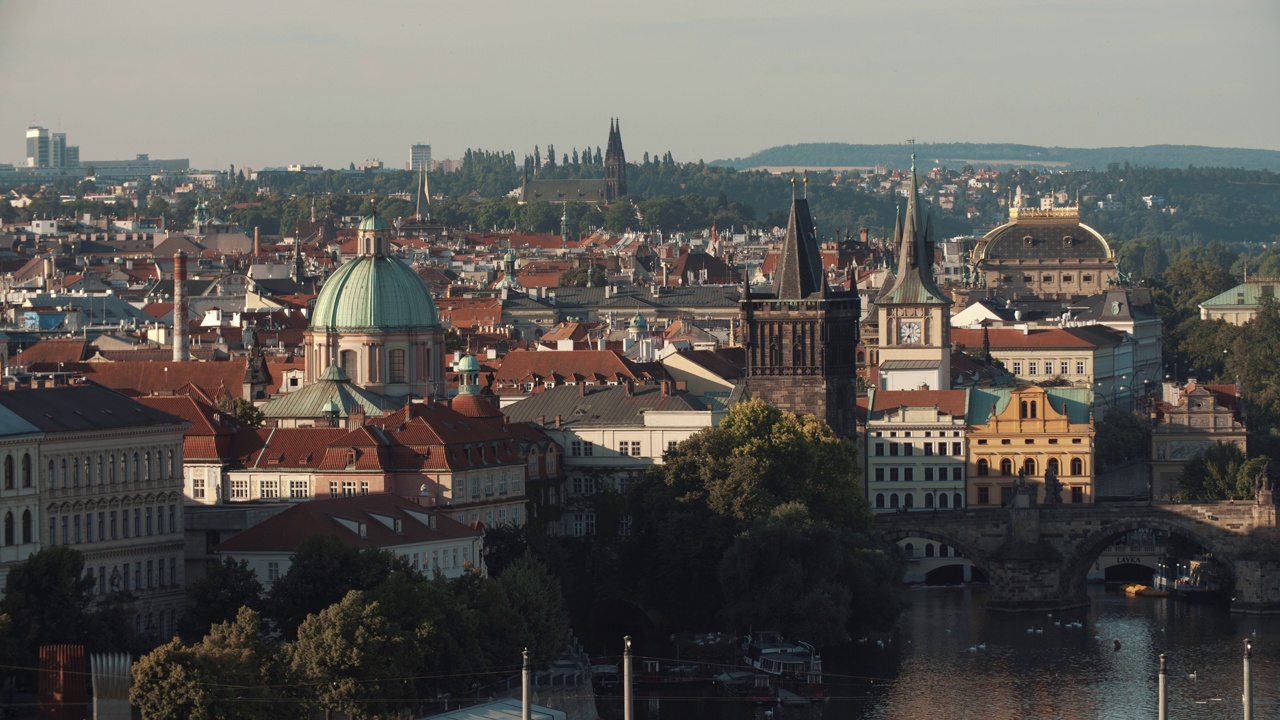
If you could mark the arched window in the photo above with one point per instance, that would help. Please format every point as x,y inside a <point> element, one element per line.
<point>137,469</point>
<point>908,500</point>
<point>173,468</point>
<point>942,500</point>
<point>1029,466</point>
<point>348,361</point>
<point>1006,467</point>
<point>1077,466</point>
<point>928,500</point>
<point>8,472</point>
<point>1024,414</point>
<point>983,467</point>
<point>395,366</point>
<point>146,458</point>
<point>8,529</point>
<point>909,550</point>
<point>880,500</point>
<point>75,472</point>
<point>27,470</point>
<point>1052,466</point>
<point>862,357</point>
<point>928,550</point>
<point>958,501</point>
<point>1033,409</point>
<point>53,474</point>
<point>65,478</point>
<point>893,500</point>
<point>944,551</point>
<point>27,530</point>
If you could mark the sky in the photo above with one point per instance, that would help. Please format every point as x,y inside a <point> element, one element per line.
<point>259,84</point>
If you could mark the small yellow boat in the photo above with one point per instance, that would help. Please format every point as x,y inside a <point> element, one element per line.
<point>1140,590</point>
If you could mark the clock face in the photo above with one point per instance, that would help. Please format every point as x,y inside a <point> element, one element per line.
<point>909,332</point>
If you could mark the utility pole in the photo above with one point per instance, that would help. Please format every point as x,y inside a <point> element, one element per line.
<point>1163,713</point>
<point>1248,682</point>
<point>626,679</point>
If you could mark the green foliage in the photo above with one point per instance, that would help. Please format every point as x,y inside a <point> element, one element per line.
<point>349,658</point>
<point>1121,436</point>
<point>541,624</point>
<point>771,500</point>
<point>219,596</point>
<point>324,570</point>
<point>582,275</point>
<point>1220,473</point>
<point>244,411</point>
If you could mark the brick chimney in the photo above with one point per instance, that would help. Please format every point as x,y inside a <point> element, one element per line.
<point>181,341</point>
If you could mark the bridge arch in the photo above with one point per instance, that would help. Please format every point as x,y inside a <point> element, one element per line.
<point>965,550</point>
<point>1076,563</point>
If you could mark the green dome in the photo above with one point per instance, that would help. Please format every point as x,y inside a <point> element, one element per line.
<point>467,364</point>
<point>372,293</point>
<point>374,222</point>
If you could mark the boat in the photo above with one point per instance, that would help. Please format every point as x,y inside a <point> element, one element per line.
<point>1140,590</point>
<point>656,672</point>
<point>1199,580</point>
<point>791,665</point>
<point>604,676</point>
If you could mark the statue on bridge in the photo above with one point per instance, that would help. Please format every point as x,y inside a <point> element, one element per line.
<point>1263,488</point>
<point>1052,487</point>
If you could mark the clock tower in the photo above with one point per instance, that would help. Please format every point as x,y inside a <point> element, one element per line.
<point>914,315</point>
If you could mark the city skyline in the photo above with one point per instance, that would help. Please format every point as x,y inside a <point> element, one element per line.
<point>333,84</point>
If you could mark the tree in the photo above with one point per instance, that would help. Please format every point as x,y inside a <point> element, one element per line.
<point>582,276</point>
<point>244,411</point>
<point>1121,436</point>
<point>1219,473</point>
<point>218,597</point>
<point>47,599</point>
<point>324,570</point>
<point>231,673</point>
<point>349,658</point>
<point>541,623</point>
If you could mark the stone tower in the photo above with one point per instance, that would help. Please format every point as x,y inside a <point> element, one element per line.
<point>801,340</point>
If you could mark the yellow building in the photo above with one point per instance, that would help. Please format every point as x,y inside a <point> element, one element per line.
<point>1033,431</point>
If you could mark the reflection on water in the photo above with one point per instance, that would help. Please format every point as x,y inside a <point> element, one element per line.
<point>953,659</point>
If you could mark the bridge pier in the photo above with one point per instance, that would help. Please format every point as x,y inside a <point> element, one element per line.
<point>1257,586</point>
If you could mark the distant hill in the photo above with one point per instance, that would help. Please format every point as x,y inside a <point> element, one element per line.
<point>995,155</point>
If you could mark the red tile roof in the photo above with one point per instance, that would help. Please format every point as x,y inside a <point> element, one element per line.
<point>951,402</point>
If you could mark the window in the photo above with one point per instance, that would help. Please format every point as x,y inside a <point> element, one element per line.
<point>909,500</point>
<point>1017,367</point>
<point>1029,466</point>
<point>928,474</point>
<point>273,571</point>
<point>395,366</point>
<point>1077,494</point>
<point>1052,466</point>
<point>333,488</point>
<point>942,473</point>
<point>1079,367</point>
<point>173,571</point>
<point>1087,278</point>
<point>893,449</point>
<point>150,526</point>
<point>137,522</point>
<point>955,449</point>
<point>270,489</point>
<point>893,500</point>
<point>160,573</point>
<point>671,446</point>
<point>114,534</point>
<point>984,468</point>
<point>151,573</point>
<point>348,488</point>
<point>908,474</point>
<point>298,489</point>
<point>879,474</point>
<point>197,487</point>
<point>1006,467</point>
<point>1063,367</point>
<point>942,505</point>
<point>10,529</point>
<point>173,526</point>
<point>364,487</point>
<point>575,448</point>
<point>1031,367</point>
<point>635,448</point>
<point>984,496</point>
<point>515,521</point>
<point>8,472</point>
<point>240,489</point>
<point>1077,466</point>
<point>957,501</point>
<point>879,449</point>
<point>587,448</point>
<point>26,470</point>
<point>893,474</point>
<point>880,500</point>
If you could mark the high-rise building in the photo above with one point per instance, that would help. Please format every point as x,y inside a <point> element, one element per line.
<point>419,157</point>
<point>38,142</point>
<point>57,149</point>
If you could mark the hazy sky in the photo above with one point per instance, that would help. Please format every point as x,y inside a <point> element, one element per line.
<point>271,83</point>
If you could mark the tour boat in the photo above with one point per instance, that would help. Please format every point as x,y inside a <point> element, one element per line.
<point>792,665</point>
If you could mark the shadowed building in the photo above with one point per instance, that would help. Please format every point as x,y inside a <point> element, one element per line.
<point>801,340</point>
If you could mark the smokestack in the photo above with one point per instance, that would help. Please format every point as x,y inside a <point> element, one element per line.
<point>180,339</point>
<point>257,239</point>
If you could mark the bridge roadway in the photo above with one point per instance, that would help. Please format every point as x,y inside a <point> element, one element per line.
<point>1038,557</point>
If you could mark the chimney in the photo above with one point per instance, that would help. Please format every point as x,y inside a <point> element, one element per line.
<point>630,386</point>
<point>181,352</point>
<point>557,422</point>
<point>257,240</point>
<point>666,387</point>
<point>582,388</point>
<point>542,421</point>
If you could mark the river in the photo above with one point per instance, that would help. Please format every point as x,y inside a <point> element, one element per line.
<point>1028,665</point>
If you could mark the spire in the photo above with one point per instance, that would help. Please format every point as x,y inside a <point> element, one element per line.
<point>799,274</point>
<point>913,283</point>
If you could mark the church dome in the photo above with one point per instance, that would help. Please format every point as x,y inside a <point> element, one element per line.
<point>373,223</point>
<point>1056,236</point>
<point>638,322</point>
<point>374,293</point>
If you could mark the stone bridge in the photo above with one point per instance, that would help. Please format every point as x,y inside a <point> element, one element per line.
<point>1037,557</point>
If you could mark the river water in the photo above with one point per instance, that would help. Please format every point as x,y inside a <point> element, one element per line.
<point>1032,665</point>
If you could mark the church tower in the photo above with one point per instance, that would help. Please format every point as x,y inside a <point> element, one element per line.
<point>801,340</point>
<point>615,165</point>
<point>914,315</point>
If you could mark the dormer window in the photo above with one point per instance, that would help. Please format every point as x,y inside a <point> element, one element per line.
<point>351,457</point>
<point>398,526</point>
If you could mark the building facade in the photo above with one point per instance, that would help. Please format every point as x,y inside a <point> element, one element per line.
<point>1185,422</point>
<point>915,449</point>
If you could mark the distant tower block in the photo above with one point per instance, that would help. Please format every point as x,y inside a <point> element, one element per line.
<point>419,157</point>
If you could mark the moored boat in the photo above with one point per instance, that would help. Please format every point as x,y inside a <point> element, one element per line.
<point>792,665</point>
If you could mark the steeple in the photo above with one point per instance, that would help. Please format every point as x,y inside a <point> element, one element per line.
<point>615,163</point>
<point>799,273</point>
<point>913,282</point>
<point>423,209</point>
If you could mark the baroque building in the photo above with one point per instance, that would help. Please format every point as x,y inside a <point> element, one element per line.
<point>801,340</point>
<point>375,319</point>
